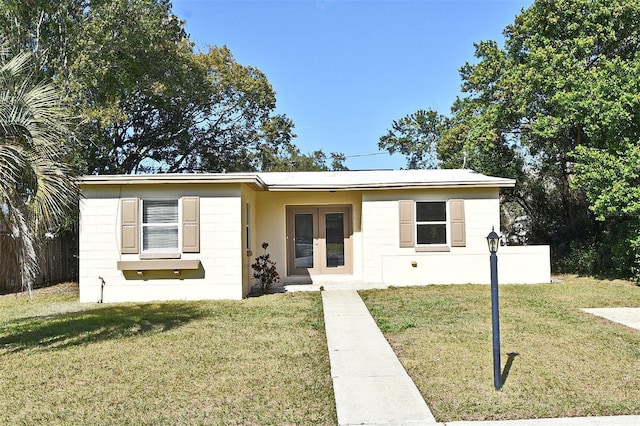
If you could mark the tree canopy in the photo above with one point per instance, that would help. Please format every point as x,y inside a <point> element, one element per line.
<point>149,103</point>
<point>558,108</point>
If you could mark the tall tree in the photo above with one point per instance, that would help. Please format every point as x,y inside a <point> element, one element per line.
<point>415,136</point>
<point>563,89</point>
<point>48,29</point>
<point>149,102</point>
<point>136,81</point>
<point>37,189</point>
<point>293,160</point>
<point>237,130</point>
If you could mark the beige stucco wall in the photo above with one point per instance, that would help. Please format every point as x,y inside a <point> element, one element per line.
<point>271,227</point>
<point>221,250</point>
<point>385,262</point>
<point>226,263</point>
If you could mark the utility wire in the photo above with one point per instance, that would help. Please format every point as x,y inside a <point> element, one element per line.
<point>366,155</point>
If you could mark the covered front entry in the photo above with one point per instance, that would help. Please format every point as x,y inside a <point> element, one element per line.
<point>319,240</point>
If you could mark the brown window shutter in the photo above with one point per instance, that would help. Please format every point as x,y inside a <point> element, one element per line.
<point>191,224</point>
<point>130,234</point>
<point>407,223</point>
<point>458,234</point>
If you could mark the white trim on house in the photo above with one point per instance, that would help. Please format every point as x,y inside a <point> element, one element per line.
<point>251,179</point>
<point>321,180</point>
<point>381,179</point>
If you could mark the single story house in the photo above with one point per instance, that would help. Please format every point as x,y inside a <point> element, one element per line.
<point>195,236</point>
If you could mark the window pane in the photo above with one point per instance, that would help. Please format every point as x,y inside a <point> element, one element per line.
<point>304,241</point>
<point>159,238</point>
<point>160,211</point>
<point>160,225</point>
<point>432,234</point>
<point>334,226</point>
<point>431,212</point>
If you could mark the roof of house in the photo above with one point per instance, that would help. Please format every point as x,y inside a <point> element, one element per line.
<point>320,180</point>
<point>380,179</point>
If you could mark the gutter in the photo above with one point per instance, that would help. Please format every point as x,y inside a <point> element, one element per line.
<point>505,183</point>
<point>175,178</point>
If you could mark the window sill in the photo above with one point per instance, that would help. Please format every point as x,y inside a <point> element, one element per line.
<point>147,256</point>
<point>157,265</point>
<point>433,249</point>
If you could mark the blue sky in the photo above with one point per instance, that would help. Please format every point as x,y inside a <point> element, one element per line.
<point>344,70</point>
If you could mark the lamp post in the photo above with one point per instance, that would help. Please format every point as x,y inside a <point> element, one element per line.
<point>493,240</point>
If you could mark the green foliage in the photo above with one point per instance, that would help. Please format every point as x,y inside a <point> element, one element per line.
<point>37,187</point>
<point>238,130</point>
<point>580,258</point>
<point>558,109</point>
<point>135,81</point>
<point>610,251</point>
<point>291,159</point>
<point>47,29</point>
<point>611,179</point>
<point>415,136</point>
<point>148,102</point>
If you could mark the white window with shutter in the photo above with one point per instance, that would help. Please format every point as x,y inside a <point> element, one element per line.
<point>431,223</point>
<point>160,226</point>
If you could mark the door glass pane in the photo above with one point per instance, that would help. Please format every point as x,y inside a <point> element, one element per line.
<point>335,239</point>
<point>303,257</point>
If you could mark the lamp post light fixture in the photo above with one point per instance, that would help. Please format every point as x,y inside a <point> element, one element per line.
<point>493,240</point>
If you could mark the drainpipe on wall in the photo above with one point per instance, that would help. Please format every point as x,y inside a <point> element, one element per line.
<point>102,283</point>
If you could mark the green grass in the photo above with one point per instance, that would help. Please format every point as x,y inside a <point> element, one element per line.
<point>257,361</point>
<point>264,360</point>
<point>564,362</point>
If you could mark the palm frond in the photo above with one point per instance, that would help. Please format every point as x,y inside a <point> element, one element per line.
<point>37,188</point>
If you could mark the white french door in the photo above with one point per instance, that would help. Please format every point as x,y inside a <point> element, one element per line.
<point>319,240</point>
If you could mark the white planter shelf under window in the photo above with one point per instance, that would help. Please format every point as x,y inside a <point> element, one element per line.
<point>175,265</point>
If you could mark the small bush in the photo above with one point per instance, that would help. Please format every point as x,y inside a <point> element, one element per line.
<point>265,271</point>
<point>580,258</point>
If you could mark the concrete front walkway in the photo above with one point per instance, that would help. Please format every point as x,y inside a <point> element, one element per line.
<point>372,388</point>
<point>627,316</point>
<point>370,385</point>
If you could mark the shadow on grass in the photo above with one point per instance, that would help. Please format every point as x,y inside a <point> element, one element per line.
<point>78,328</point>
<point>507,367</point>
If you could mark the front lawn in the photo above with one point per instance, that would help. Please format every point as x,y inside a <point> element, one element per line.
<point>563,362</point>
<point>256,361</point>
